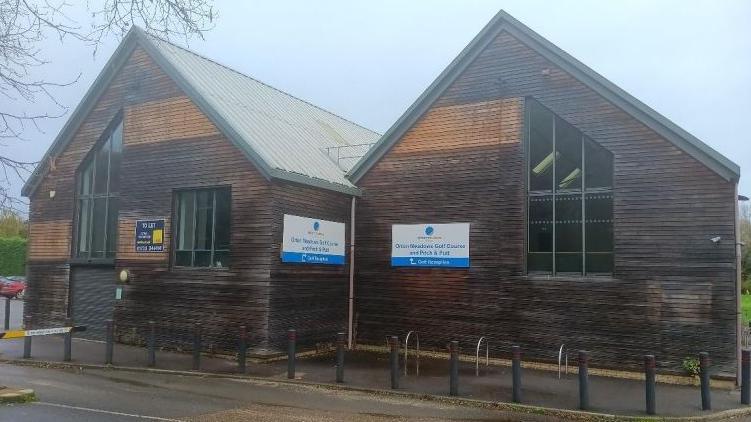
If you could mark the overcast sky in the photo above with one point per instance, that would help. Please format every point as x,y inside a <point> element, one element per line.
<point>689,60</point>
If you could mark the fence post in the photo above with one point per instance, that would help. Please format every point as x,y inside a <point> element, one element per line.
<point>394,361</point>
<point>649,376</point>
<point>583,380</point>
<point>340,340</point>
<point>152,344</point>
<point>27,339</point>
<point>67,341</point>
<point>242,349</point>
<point>291,344</point>
<point>197,346</point>
<point>746,376</point>
<point>109,341</point>
<point>516,377</point>
<point>706,399</point>
<point>454,368</point>
<point>7,313</point>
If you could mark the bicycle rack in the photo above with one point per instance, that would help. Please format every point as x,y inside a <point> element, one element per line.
<point>560,357</point>
<point>417,355</point>
<point>477,355</point>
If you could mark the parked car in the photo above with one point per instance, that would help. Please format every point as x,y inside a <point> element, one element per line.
<point>13,287</point>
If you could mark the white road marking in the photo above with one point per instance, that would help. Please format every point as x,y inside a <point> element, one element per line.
<point>87,409</point>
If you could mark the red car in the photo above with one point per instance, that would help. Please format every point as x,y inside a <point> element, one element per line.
<point>12,287</point>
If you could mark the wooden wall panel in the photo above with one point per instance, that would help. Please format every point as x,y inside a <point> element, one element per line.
<point>49,241</point>
<point>163,120</point>
<point>672,292</point>
<point>309,298</point>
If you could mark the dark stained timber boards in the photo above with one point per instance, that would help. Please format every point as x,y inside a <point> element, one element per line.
<point>672,293</point>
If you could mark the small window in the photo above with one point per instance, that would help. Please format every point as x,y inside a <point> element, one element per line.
<point>98,193</point>
<point>203,234</point>
<point>570,198</point>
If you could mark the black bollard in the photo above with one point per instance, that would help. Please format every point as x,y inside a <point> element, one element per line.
<point>516,374</point>
<point>746,376</point>
<point>68,341</point>
<point>583,380</point>
<point>109,341</point>
<point>291,343</point>
<point>649,376</point>
<point>242,349</point>
<point>27,339</point>
<point>454,368</point>
<point>197,347</point>
<point>341,338</point>
<point>706,399</point>
<point>394,361</point>
<point>151,355</point>
<point>7,313</point>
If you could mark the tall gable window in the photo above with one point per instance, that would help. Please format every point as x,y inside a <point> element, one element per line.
<point>570,198</point>
<point>98,194</point>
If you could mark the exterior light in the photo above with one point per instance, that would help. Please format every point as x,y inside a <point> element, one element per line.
<point>52,193</point>
<point>124,276</point>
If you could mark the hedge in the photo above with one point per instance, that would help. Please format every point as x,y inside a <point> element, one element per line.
<point>12,256</point>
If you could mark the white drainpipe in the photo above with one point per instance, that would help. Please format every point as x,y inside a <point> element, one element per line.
<point>739,315</point>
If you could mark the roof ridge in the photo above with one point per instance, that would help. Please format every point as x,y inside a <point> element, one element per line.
<point>258,81</point>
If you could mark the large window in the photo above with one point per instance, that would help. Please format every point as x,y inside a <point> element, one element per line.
<point>203,220</point>
<point>570,198</point>
<point>98,187</point>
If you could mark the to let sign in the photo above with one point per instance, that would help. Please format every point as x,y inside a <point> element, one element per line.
<point>430,245</point>
<point>150,235</point>
<point>312,241</point>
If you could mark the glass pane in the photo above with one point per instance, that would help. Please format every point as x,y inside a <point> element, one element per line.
<point>84,225</point>
<point>599,222</point>
<point>98,227</point>
<point>568,223</point>
<point>568,164</point>
<point>222,229</point>
<point>541,224</point>
<point>204,220</point>
<point>186,221</point>
<point>112,226</point>
<point>85,177</point>
<point>115,158</point>
<point>183,258</point>
<point>540,148</point>
<point>221,259</point>
<point>599,263</point>
<point>568,263</point>
<point>598,165</point>
<point>101,168</point>
<point>202,259</point>
<point>540,262</point>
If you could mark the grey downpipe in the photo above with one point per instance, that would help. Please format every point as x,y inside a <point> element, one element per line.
<point>351,300</point>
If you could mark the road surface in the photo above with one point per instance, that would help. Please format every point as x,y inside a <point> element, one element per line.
<point>106,395</point>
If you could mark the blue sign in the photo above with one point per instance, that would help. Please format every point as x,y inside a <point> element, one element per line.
<point>430,245</point>
<point>150,235</point>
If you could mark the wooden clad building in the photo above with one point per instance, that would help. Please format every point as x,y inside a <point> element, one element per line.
<point>213,160</point>
<point>594,221</point>
<point>591,220</point>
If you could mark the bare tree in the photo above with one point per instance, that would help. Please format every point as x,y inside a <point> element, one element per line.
<point>25,24</point>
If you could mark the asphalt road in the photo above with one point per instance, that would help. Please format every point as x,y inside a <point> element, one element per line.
<point>106,395</point>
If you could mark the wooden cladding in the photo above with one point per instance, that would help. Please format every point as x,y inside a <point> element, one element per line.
<point>49,240</point>
<point>164,120</point>
<point>464,160</point>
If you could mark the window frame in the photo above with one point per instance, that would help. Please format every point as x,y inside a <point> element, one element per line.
<point>78,197</point>
<point>176,228</point>
<point>554,193</point>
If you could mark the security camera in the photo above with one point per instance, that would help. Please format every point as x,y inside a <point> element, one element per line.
<point>716,239</point>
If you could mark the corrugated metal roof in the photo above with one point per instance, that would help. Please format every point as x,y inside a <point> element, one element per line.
<point>287,133</point>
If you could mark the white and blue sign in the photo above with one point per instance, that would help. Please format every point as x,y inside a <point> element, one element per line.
<point>430,245</point>
<point>312,241</point>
